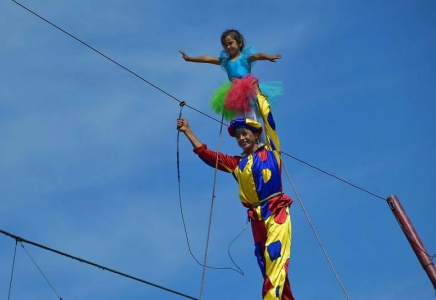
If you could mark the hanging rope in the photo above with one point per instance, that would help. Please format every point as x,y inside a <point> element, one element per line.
<point>12,273</point>
<point>22,240</point>
<point>239,270</point>
<point>211,209</point>
<point>268,136</point>
<point>42,273</point>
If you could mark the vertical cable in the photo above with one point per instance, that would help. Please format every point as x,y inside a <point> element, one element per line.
<point>12,273</point>
<point>316,234</point>
<point>268,135</point>
<point>34,262</point>
<point>211,209</point>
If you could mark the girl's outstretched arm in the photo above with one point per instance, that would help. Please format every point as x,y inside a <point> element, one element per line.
<point>201,59</point>
<point>263,56</point>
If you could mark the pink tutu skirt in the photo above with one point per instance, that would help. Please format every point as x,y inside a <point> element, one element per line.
<point>236,97</point>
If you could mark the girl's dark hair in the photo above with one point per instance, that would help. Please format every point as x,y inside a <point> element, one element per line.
<point>239,38</point>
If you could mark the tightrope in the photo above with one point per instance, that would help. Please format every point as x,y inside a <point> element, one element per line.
<point>23,240</point>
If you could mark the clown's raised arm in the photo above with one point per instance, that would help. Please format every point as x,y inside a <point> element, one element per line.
<point>226,162</point>
<point>272,140</point>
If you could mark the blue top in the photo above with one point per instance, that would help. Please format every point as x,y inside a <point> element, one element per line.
<point>241,66</point>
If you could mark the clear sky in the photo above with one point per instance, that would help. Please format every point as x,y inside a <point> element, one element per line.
<point>88,151</point>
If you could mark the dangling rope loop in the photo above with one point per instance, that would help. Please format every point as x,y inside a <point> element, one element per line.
<point>238,270</point>
<point>211,208</point>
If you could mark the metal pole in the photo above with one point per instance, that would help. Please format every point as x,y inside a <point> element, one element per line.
<point>412,236</point>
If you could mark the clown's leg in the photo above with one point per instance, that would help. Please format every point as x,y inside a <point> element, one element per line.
<point>272,239</point>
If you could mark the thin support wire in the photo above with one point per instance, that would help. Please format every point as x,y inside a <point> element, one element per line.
<point>211,210</point>
<point>178,100</point>
<point>315,232</point>
<point>268,136</point>
<point>334,176</point>
<point>95,265</point>
<point>13,267</point>
<point>112,60</point>
<point>42,273</point>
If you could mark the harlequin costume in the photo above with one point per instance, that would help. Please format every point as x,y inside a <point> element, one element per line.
<point>260,191</point>
<point>235,98</point>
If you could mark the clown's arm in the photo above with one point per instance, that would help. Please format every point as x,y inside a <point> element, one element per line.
<point>226,163</point>
<point>272,141</point>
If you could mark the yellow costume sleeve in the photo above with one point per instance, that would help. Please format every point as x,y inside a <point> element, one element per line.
<point>272,140</point>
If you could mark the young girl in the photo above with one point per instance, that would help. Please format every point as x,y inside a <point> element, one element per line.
<point>234,99</point>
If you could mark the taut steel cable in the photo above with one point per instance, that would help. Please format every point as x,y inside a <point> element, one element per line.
<point>178,100</point>
<point>23,240</point>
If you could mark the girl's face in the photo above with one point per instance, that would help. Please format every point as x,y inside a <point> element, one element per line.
<point>231,46</point>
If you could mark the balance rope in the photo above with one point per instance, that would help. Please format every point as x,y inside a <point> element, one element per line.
<point>23,240</point>
<point>268,136</point>
<point>238,270</point>
<point>12,273</point>
<point>211,209</point>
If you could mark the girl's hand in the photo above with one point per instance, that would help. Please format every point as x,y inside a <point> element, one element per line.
<point>182,124</point>
<point>273,58</point>
<point>184,55</point>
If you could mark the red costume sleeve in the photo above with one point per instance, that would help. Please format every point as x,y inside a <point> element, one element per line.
<point>226,162</point>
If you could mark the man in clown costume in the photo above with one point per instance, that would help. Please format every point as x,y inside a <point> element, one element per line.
<point>258,173</point>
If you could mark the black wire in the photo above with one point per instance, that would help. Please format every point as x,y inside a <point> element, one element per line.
<point>42,273</point>
<point>115,62</point>
<point>94,264</point>
<point>183,217</point>
<point>12,273</point>
<point>171,96</point>
<point>105,56</point>
<point>231,243</point>
<point>332,175</point>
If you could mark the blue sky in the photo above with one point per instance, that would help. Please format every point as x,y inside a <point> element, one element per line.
<point>88,151</point>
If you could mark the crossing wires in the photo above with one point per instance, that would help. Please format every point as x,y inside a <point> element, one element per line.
<point>23,240</point>
<point>180,101</point>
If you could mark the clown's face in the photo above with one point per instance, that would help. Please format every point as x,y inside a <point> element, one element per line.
<point>247,140</point>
